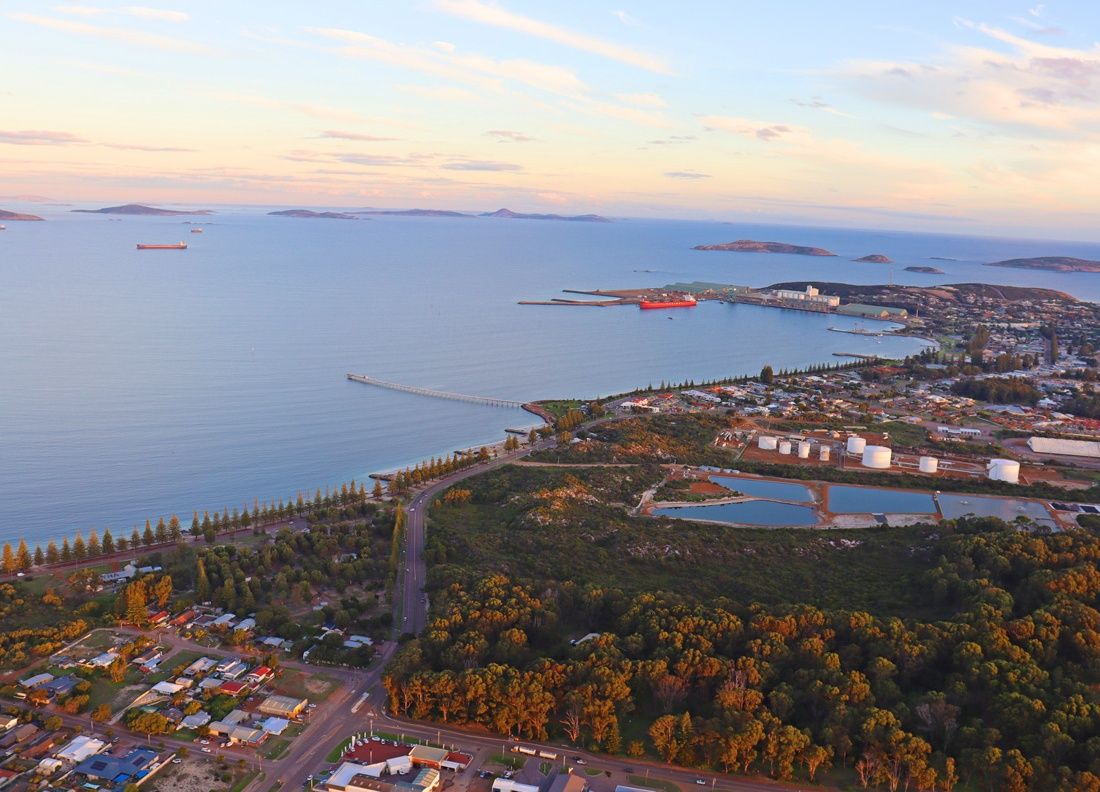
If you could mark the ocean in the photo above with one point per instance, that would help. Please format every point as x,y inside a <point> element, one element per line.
<point>138,384</point>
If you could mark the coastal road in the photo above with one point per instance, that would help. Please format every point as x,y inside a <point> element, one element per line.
<point>411,615</point>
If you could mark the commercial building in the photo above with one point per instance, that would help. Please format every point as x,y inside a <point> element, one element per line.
<point>282,706</point>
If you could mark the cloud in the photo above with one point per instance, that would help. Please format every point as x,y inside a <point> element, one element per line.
<point>496,16</point>
<point>336,134</point>
<point>642,99</point>
<point>625,18</point>
<point>672,140</point>
<point>686,175</point>
<point>162,14</point>
<point>122,35</point>
<point>1017,86</point>
<point>442,93</point>
<point>747,127</point>
<point>302,108</point>
<point>39,137</point>
<point>481,165</point>
<point>504,135</point>
<point>139,147</point>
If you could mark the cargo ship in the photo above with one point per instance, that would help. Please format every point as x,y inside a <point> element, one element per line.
<point>196,230</point>
<point>177,246</point>
<point>670,301</point>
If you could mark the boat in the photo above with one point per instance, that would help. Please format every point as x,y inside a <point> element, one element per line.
<point>670,301</point>
<point>176,246</point>
<point>3,228</point>
<point>196,230</point>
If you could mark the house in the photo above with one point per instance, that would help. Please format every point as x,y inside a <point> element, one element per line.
<point>167,688</point>
<point>183,619</point>
<point>232,688</point>
<point>152,656</point>
<point>159,618</point>
<point>200,666</point>
<point>282,706</point>
<point>118,769</point>
<point>352,777</point>
<point>8,722</point>
<point>235,718</point>
<point>456,761</point>
<point>62,686</point>
<point>80,748</point>
<point>274,725</point>
<point>195,721</point>
<point>248,624</point>
<point>231,669</point>
<point>102,660</point>
<point>259,675</point>
<point>125,573</point>
<point>225,620</point>
<point>38,680</point>
<point>568,782</point>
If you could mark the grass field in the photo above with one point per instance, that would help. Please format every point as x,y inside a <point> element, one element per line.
<point>275,748</point>
<point>512,762</point>
<point>508,528</point>
<point>654,783</point>
<point>315,687</point>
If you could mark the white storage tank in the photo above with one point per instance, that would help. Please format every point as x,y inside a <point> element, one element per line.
<point>804,450</point>
<point>823,453</point>
<point>767,442</point>
<point>877,457</point>
<point>785,447</point>
<point>929,464</point>
<point>856,444</point>
<point>1004,470</point>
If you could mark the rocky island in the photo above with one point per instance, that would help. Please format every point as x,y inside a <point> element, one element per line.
<point>508,214</point>
<point>413,212</point>
<point>752,246</point>
<point>876,258</point>
<point>925,270</point>
<point>15,216</point>
<point>142,209</point>
<point>309,213</point>
<point>1050,263</point>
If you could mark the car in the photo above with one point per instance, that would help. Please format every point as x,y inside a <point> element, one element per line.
<point>207,750</point>
<point>700,782</point>
<point>204,742</point>
<point>578,760</point>
<point>177,761</point>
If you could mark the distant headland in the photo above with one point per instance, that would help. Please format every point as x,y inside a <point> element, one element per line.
<point>14,216</point>
<point>752,246</point>
<point>309,213</point>
<point>142,209</point>
<point>510,215</point>
<point>876,258</point>
<point>925,270</point>
<point>1050,263</point>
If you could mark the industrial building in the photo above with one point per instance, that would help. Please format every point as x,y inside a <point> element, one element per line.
<point>1058,447</point>
<point>872,311</point>
<point>810,295</point>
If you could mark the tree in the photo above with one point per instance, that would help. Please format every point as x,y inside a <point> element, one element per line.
<point>174,531</point>
<point>101,713</point>
<point>161,532</point>
<point>93,544</point>
<point>66,552</point>
<point>8,565</point>
<point>162,590</point>
<point>376,492</point>
<point>52,556</point>
<point>202,582</point>
<point>108,542</point>
<point>148,538</point>
<point>767,376</point>
<point>80,552</point>
<point>39,557</point>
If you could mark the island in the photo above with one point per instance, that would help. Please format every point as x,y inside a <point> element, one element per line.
<point>925,270</point>
<point>508,214</point>
<point>16,216</point>
<point>309,213</point>
<point>1050,264</point>
<point>414,212</point>
<point>752,246</point>
<point>875,258</point>
<point>142,209</point>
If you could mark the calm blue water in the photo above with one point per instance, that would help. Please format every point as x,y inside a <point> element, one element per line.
<point>138,384</point>
<point>955,506</point>
<point>764,489</point>
<point>862,500</point>
<point>761,512</point>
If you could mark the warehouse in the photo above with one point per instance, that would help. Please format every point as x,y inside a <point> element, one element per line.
<point>1057,447</point>
<point>283,706</point>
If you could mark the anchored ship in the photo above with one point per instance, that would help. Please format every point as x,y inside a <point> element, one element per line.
<point>177,246</point>
<point>670,301</point>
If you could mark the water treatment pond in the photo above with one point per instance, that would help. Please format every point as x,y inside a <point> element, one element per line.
<point>954,506</point>
<point>759,488</point>
<point>865,500</point>
<point>761,512</point>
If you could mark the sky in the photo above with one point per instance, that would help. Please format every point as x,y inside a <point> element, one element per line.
<point>968,116</point>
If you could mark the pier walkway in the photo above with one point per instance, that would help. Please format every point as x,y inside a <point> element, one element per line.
<point>437,394</point>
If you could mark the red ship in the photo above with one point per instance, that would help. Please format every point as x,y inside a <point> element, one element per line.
<point>670,301</point>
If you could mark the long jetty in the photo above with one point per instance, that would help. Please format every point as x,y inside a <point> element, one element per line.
<point>491,401</point>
